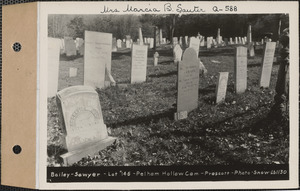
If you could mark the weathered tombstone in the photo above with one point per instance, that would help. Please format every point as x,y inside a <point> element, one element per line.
<point>73,72</point>
<point>79,43</point>
<point>240,69</point>
<point>249,35</point>
<point>53,65</point>
<point>138,63</point>
<point>70,46</point>
<point>97,57</point>
<point>81,50</point>
<point>221,87</point>
<point>218,39</point>
<point>236,40</point>
<point>195,44</point>
<point>160,36</point>
<point>114,44</point>
<point>155,58</point>
<point>140,37</point>
<point>208,43</point>
<point>84,131</point>
<point>151,43</point>
<point>119,43</point>
<point>267,63</point>
<point>240,40</point>
<point>202,41</point>
<point>175,41</point>
<point>128,41</point>
<point>230,40</point>
<point>243,41</point>
<point>187,84</point>
<point>177,53</point>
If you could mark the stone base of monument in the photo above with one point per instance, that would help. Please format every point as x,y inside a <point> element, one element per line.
<point>180,115</point>
<point>74,156</point>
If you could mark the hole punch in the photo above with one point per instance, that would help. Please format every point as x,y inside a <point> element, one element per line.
<point>17,149</point>
<point>17,47</point>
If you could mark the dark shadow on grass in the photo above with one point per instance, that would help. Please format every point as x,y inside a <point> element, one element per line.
<point>162,74</point>
<point>64,57</point>
<point>166,62</point>
<point>207,90</point>
<point>144,120</point>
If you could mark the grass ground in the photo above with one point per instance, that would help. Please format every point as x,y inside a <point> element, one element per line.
<point>141,116</point>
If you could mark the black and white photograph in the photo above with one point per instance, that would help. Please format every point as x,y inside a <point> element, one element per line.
<point>188,96</point>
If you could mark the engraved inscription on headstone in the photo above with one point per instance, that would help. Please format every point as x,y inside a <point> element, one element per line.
<point>240,69</point>
<point>188,81</point>
<point>53,65</point>
<point>97,56</point>
<point>267,63</point>
<point>84,130</point>
<point>138,63</point>
<point>221,86</point>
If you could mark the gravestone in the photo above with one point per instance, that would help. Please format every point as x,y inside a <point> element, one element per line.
<point>73,72</point>
<point>230,40</point>
<point>114,44</point>
<point>221,87</point>
<point>177,53</point>
<point>195,44</point>
<point>240,69</point>
<point>208,43</point>
<point>70,46</point>
<point>138,63</point>
<point>218,39</point>
<point>53,65</point>
<point>119,43</point>
<point>155,58</point>
<point>267,63</point>
<point>187,83</point>
<point>249,34</point>
<point>97,57</point>
<point>151,44</point>
<point>160,36</point>
<point>226,41</point>
<point>175,41</point>
<point>236,40</point>
<point>84,131</point>
<point>128,44</point>
<point>202,41</point>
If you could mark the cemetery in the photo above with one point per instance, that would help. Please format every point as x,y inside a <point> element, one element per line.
<point>142,100</point>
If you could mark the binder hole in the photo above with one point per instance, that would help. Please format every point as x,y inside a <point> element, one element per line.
<point>17,149</point>
<point>17,47</point>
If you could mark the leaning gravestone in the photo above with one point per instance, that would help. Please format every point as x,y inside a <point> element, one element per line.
<point>177,53</point>
<point>221,87</point>
<point>240,69</point>
<point>267,63</point>
<point>84,131</point>
<point>138,63</point>
<point>195,44</point>
<point>97,57</point>
<point>187,84</point>
<point>53,65</point>
<point>70,46</point>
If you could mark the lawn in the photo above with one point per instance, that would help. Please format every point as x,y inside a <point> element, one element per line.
<point>238,131</point>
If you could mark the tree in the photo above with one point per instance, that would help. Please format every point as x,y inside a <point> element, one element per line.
<point>76,27</point>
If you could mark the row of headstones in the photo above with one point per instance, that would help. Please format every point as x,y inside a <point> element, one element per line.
<point>188,77</point>
<point>84,130</point>
<point>97,62</point>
